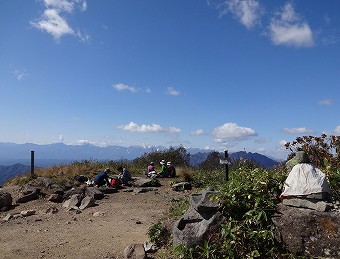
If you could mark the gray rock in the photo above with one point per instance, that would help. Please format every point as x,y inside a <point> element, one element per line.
<point>51,210</point>
<point>307,232</point>
<point>134,251</point>
<point>94,192</point>
<point>308,204</point>
<point>26,213</point>
<point>199,220</point>
<point>5,199</point>
<point>77,190</point>
<point>98,214</point>
<point>29,197</point>
<point>202,202</point>
<point>54,197</point>
<point>181,186</point>
<point>87,202</point>
<point>73,202</point>
<point>28,189</point>
<point>193,228</point>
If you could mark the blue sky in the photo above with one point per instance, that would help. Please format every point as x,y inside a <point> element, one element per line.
<point>230,74</point>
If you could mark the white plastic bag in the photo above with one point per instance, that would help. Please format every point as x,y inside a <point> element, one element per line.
<point>305,179</point>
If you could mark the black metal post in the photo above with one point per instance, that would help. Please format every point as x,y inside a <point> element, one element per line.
<point>226,166</point>
<point>32,163</point>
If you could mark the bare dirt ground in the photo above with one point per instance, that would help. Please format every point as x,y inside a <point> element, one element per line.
<point>124,218</point>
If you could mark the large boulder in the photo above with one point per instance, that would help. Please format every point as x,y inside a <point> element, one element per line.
<point>308,232</point>
<point>201,219</point>
<point>5,199</point>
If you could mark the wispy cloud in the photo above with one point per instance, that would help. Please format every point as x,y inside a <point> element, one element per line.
<point>325,102</point>
<point>54,22</point>
<point>198,132</point>
<point>144,128</point>
<point>261,140</point>
<point>61,137</point>
<point>232,131</point>
<point>172,91</point>
<point>301,130</point>
<point>248,12</point>
<point>283,142</point>
<point>21,74</point>
<point>288,28</point>
<point>337,130</point>
<point>123,87</point>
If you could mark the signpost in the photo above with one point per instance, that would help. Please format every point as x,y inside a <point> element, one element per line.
<point>226,163</point>
<point>32,163</point>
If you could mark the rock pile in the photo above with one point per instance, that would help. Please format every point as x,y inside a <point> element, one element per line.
<point>199,221</point>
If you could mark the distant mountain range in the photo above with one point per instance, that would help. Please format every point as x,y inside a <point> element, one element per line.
<point>7,172</point>
<point>16,158</point>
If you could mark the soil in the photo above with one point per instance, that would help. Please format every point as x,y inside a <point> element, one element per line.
<point>102,231</point>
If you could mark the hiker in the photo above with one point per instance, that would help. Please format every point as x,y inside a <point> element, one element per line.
<point>164,169</point>
<point>102,178</point>
<point>171,169</point>
<point>151,167</point>
<point>124,175</point>
<point>150,171</point>
<point>305,179</point>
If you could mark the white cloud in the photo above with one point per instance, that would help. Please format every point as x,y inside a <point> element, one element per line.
<point>325,102</point>
<point>261,140</point>
<point>198,132</point>
<point>172,91</point>
<point>283,142</point>
<point>301,130</point>
<point>54,22</point>
<point>63,5</point>
<point>248,12</point>
<point>232,131</point>
<point>337,130</point>
<point>21,74</point>
<point>133,127</point>
<point>123,87</point>
<point>287,28</point>
<point>83,141</point>
<point>66,5</point>
<point>61,137</point>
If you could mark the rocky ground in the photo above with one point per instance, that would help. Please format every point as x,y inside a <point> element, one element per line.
<point>102,231</point>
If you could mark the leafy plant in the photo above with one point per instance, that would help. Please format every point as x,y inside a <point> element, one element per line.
<point>158,234</point>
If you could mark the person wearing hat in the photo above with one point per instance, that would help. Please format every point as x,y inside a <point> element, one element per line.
<point>102,178</point>
<point>164,169</point>
<point>150,171</point>
<point>171,169</point>
<point>151,167</point>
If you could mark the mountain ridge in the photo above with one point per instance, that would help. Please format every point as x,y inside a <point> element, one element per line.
<point>16,158</point>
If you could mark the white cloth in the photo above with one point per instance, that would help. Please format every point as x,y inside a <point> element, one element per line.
<point>305,179</point>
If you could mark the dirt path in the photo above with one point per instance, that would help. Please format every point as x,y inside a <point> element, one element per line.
<point>124,218</point>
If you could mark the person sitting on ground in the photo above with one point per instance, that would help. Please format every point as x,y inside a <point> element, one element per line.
<point>151,167</point>
<point>150,171</point>
<point>304,179</point>
<point>171,169</point>
<point>164,169</point>
<point>124,175</point>
<point>102,178</point>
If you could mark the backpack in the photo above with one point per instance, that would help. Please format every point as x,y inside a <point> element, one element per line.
<point>115,183</point>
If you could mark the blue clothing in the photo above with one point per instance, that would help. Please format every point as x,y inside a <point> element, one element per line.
<point>101,179</point>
